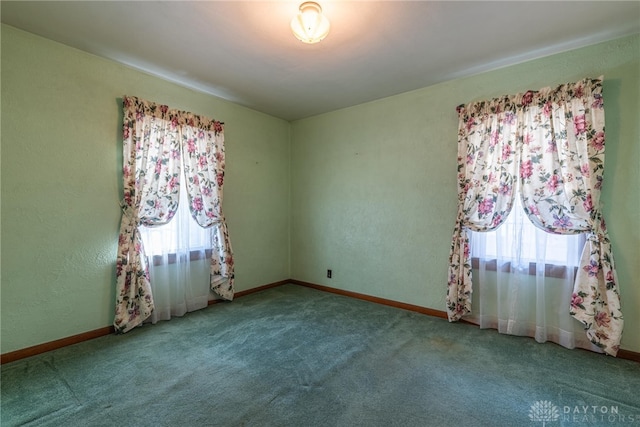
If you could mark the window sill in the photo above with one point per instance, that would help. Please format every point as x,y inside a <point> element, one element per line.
<point>172,258</point>
<point>550,270</point>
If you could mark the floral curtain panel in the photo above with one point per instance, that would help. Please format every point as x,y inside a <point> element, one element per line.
<point>155,140</point>
<point>204,161</point>
<point>550,143</point>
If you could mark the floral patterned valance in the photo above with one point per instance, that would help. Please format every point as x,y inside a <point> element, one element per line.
<point>176,117</point>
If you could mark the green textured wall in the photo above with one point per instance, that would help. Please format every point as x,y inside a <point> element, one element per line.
<point>374,186</point>
<point>61,185</point>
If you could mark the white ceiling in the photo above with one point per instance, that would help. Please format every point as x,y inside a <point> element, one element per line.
<point>244,51</point>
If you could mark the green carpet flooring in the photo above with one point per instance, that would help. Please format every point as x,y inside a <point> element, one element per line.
<point>294,356</point>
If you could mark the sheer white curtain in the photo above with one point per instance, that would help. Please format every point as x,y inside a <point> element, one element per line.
<point>524,280</point>
<point>179,262</point>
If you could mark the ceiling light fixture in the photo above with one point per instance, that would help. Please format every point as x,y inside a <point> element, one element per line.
<point>310,25</point>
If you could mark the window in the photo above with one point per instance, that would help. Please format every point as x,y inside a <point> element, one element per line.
<point>179,261</point>
<point>551,141</point>
<point>517,243</point>
<point>181,234</point>
<point>158,143</point>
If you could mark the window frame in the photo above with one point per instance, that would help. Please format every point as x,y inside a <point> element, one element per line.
<point>550,269</point>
